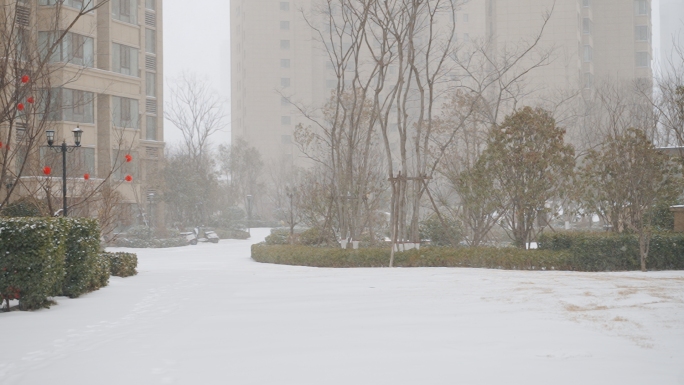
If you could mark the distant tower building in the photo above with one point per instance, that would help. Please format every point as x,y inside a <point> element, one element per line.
<point>274,55</point>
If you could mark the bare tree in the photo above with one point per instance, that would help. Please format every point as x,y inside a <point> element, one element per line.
<point>28,94</point>
<point>196,111</point>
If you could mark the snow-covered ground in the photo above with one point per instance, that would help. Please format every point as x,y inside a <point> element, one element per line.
<point>208,314</point>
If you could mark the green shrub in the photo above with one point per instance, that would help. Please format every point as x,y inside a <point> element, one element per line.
<point>140,232</point>
<point>100,277</point>
<point>278,237</point>
<point>487,257</point>
<point>315,237</point>
<point>151,243</point>
<point>616,252</point>
<point>231,234</point>
<point>122,264</point>
<point>32,263</point>
<point>82,253</point>
<point>23,208</point>
<point>433,230</point>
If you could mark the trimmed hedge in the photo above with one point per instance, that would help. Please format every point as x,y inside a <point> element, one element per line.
<point>46,257</point>
<point>83,273</point>
<point>32,254</point>
<point>122,264</point>
<point>100,276</point>
<point>616,252</point>
<point>485,257</point>
<point>151,243</point>
<point>575,251</point>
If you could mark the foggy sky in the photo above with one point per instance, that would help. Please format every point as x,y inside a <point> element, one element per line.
<point>193,34</point>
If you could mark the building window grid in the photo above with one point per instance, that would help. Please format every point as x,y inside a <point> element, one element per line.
<point>641,33</point>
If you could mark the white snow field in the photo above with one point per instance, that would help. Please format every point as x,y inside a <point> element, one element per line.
<point>208,314</point>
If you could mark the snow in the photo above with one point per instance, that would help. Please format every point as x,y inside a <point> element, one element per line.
<point>208,314</point>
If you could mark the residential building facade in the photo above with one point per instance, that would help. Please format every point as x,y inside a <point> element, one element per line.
<point>106,78</point>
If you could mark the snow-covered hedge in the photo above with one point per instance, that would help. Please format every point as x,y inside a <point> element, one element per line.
<point>32,253</point>
<point>83,268</point>
<point>45,257</point>
<point>615,252</point>
<point>122,264</point>
<point>486,257</point>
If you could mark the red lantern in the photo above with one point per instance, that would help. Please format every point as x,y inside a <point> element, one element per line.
<point>129,158</point>
<point>25,79</point>
<point>129,178</point>
<point>0,144</point>
<point>86,176</point>
<point>20,106</point>
<point>31,99</point>
<point>47,170</point>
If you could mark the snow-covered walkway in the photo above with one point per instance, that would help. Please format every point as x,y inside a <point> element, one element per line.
<point>208,314</point>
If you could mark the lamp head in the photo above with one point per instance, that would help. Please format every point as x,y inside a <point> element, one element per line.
<point>77,135</point>
<point>50,137</point>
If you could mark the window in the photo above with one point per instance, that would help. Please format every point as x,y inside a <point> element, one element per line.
<point>284,82</point>
<point>151,128</point>
<point>70,105</point>
<point>284,101</point>
<point>286,139</point>
<point>588,80</point>
<point>151,84</point>
<point>284,63</point>
<point>78,4</point>
<point>641,33</point>
<point>587,26</point>
<point>588,54</point>
<point>641,7</point>
<point>121,168</point>
<point>284,44</point>
<point>285,25</point>
<point>643,59</point>
<point>77,106</point>
<point>150,4</point>
<point>125,59</point>
<point>74,48</point>
<point>466,17</point>
<point>150,41</point>
<point>285,120</point>
<point>331,83</point>
<point>125,112</point>
<point>586,3</point>
<point>125,10</point>
<point>284,5</point>
<point>466,37</point>
<point>79,162</point>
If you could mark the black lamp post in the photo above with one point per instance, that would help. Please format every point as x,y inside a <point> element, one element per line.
<point>150,201</point>
<point>64,148</point>
<point>291,192</point>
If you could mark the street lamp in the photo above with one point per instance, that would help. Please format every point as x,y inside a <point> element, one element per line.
<point>249,215</point>
<point>150,202</point>
<point>290,192</point>
<point>64,148</point>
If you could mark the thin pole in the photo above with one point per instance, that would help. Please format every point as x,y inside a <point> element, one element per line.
<point>64,180</point>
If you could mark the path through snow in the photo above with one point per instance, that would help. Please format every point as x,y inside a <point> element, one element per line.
<point>208,314</point>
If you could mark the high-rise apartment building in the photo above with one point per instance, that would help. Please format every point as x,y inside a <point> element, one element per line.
<point>106,78</point>
<point>274,54</point>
